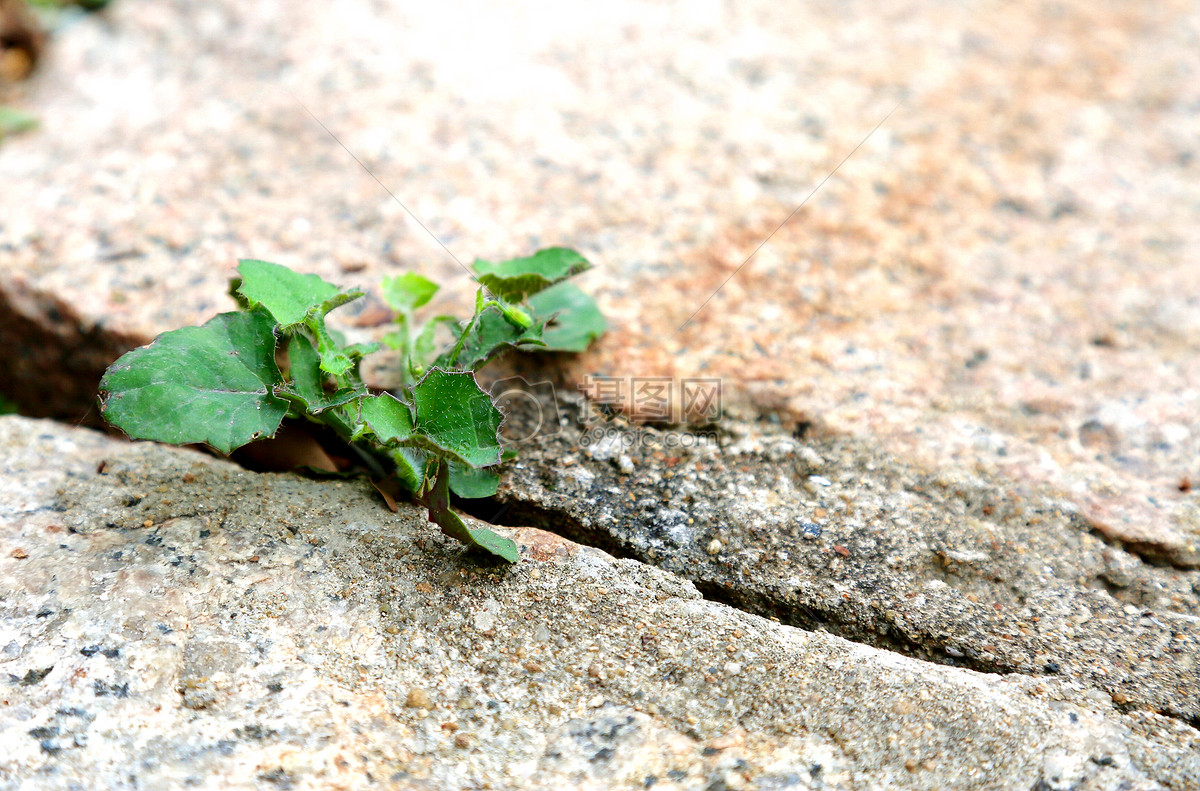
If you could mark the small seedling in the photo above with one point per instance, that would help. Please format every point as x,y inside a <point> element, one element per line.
<point>220,385</point>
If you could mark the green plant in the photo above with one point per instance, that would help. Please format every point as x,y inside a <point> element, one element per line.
<point>13,121</point>
<point>219,384</point>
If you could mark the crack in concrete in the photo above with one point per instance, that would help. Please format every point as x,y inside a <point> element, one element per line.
<point>942,566</point>
<point>50,368</point>
<point>51,361</point>
<point>516,513</point>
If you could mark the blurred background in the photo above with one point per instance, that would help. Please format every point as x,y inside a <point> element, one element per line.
<point>1005,274</point>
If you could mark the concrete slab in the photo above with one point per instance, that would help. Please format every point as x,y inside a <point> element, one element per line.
<point>172,620</point>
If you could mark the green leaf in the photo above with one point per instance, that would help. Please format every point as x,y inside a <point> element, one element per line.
<point>407,292</point>
<point>388,417</point>
<point>410,466</point>
<point>490,334</point>
<point>336,359</point>
<point>13,121</point>
<point>417,356</point>
<point>316,408</point>
<point>574,319</point>
<point>304,364</point>
<point>307,387</point>
<point>426,341</point>
<point>397,339</point>
<point>212,384</point>
<point>472,483</point>
<point>333,359</point>
<point>516,279</point>
<point>455,417</point>
<point>360,350</point>
<point>289,296</point>
<point>437,500</point>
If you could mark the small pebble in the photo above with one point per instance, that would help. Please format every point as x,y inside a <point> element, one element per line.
<point>780,451</point>
<point>625,464</point>
<point>732,668</point>
<point>714,547</point>
<point>723,742</point>
<point>418,699</point>
<point>811,457</point>
<point>810,530</point>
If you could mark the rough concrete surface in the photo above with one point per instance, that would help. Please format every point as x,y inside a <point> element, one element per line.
<point>962,387</point>
<point>173,621</point>
<point>946,564</point>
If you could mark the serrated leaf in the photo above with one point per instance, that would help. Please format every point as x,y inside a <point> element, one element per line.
<point>471,483</point>
<point>407,292</point>
<point>454,416</point>
<point>289,296</point>
<point>387,416</point>
<point>437,500</point>
<point>490,334</point>
<point>516,279</point>
<point>212,384</point>
<point>574,319</point>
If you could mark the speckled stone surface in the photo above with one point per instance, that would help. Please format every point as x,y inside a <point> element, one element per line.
<point>173,621</point>
<point>1004,275</point>
<point>995,302</point>
<point>946,564</point>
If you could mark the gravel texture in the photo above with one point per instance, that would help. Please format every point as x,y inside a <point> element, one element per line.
<point>170,620</point>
